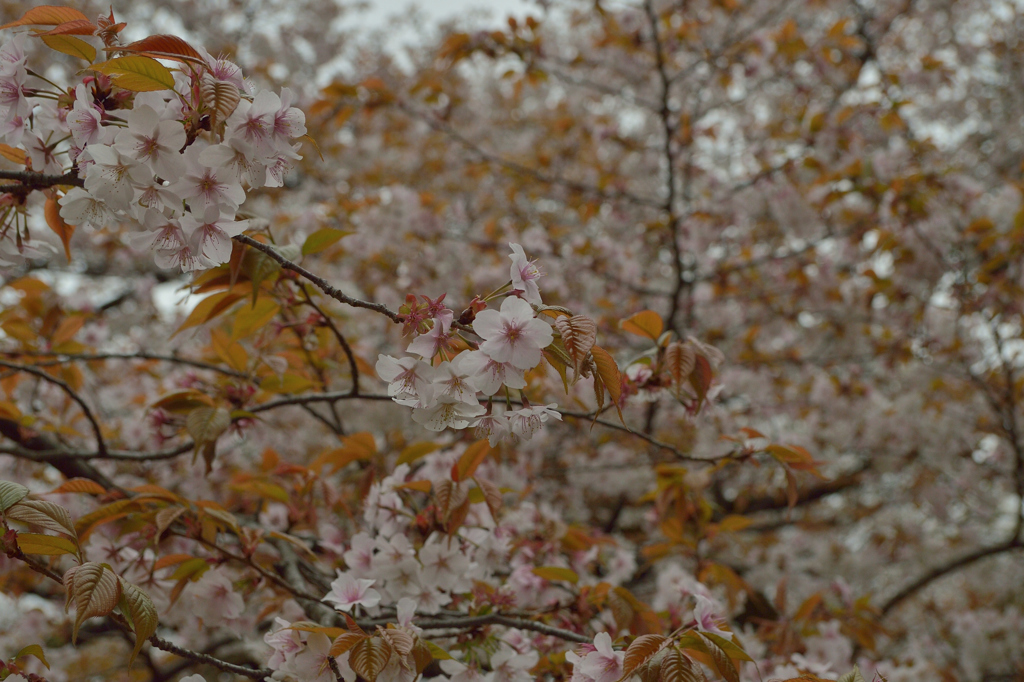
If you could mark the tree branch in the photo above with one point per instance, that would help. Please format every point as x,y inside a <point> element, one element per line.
<point>101,446</point>
<point>141,355</point>
<point>320,282</point>
<point>940,571</point>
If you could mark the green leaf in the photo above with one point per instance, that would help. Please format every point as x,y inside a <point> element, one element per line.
<point>43,514</point>
<point>46,545</point>
<point>33,650</point>
<point>413,452</point>
<point>436,651</point>
<point>140,612</point>
<point>556,573</point>
<point>136,73</point>
<point>206,424</point>
<point>321,240</point>
<point>253,318</point>
<point>10,494</point>
<point>70,45</point>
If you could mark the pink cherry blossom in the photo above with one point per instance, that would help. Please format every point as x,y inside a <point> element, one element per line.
<point>348,592</point>
<point>214,599</point>
<point>707,620</point>
<point>603,664</point>
<point>488,376</point>
<point>524,275</point>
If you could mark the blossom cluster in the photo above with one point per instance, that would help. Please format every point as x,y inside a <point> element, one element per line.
<point>448,394</point>
<point>175,163</point>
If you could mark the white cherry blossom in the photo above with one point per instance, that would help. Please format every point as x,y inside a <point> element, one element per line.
<point>153,141</point>
<point>406,377</point>
<point>204,186</point>
<point>441,411</point>
<point>210,238</point>
<point>526,421</point>
<point>513,335</point>
<point>113,175</point>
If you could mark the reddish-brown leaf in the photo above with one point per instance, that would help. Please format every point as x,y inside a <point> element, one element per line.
<point>579,333</point>
<point>163,47</point>
<point>680,359</point>
<point>80,485</point>
<point>43,514</point>
<point>399,640</point>
<point>344,642</point>
<point>95,591</point>
<point>492,496</point>
<point>474,455</point>
<point>78,27</point>
<point>640,651</point>
<point>369,656</point>
<point>221,98</point>
<point>51,211</point>
<point>608,374</point>
<point>47,15</point>
<point>645,323</point>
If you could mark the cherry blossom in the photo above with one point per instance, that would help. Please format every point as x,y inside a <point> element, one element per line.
<point>707,621</point>
<point>113,175</point>
<point>406,377</point>
<point>154,141</point>
<point>214,599</point>
<point>603,664</point>
<point>524,275</point>
<point>488,376</point>
<point>206,187</point>
<point>348,592</point>
<point>525,421</point>
<point>440,411</point>
<point>513,335</point>
<point>210,239</point>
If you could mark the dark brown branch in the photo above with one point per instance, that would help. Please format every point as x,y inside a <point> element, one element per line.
<point>449,621</point>
<point>101,446</point>
<point>320,282</point>
<point>32,181</point>
<point>141,355</point>
<point>50,455</point>
<point>940,571</point>
<point>307,398</point>
<point>668,132</point>
<point>198,657</point>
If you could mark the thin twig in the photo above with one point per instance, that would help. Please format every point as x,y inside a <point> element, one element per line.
<point>353,369</point>
<point>541,177</point>
<point>320,282</point>
<point>141,355</point>
<point>101,446</point>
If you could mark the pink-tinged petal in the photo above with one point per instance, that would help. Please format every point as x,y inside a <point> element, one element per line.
<point>487,324</point>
